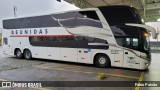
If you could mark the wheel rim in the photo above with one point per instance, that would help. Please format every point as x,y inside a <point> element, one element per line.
<point>18,53</point>
<point>102,60</point>
<point>28,55</point>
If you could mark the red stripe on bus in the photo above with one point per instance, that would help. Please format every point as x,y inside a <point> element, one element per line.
<point>39,35</point>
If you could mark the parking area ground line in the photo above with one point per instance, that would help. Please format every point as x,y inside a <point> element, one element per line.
<point>123,76</point>
<point>114,75</point>
<point>125,70</point>
<point>78,68</point>
<point>140,80</point>
<point>46,66</point>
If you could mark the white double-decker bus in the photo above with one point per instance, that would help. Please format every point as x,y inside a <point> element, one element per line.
<point>104,36</point>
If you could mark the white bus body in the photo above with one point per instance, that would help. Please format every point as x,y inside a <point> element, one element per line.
<point>83,36</point>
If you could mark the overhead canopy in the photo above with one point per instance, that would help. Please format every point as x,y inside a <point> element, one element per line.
<point>149,9</point>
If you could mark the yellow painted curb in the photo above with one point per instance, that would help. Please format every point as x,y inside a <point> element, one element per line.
<point>101,76</point>
<point>140,80</point>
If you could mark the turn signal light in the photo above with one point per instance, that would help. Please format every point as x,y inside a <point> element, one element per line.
<point>146,34</point>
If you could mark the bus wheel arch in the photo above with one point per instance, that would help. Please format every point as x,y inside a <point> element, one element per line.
<point>27,54</point>
<point>18,53</point>
<point>102,60</point>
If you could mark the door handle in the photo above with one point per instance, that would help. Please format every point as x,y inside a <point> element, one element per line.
<point>126,52</point>
<point>79,51</point>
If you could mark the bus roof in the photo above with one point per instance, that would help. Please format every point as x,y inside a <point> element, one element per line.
<point>87,9</point>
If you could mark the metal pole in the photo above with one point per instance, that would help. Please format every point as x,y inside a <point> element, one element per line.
<point>15,11</point>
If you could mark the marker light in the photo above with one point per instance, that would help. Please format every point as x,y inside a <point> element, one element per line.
<point>146,34</point>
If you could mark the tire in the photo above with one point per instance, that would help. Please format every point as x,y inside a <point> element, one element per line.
<point>19,54</point>
<point>27,54</point>
<point>102,61</point>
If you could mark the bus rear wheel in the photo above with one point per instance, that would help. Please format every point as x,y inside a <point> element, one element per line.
<point>27,54</point>
<point>19,54</point>
<point>102,61</point>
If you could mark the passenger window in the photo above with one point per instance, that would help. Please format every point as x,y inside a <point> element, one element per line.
<point>49,21</point>
<point>88,18</point>
<point>119,41</point>
<point>35,22</point>
<point>36,39</point>
<point>52,39</point>
<point>127,42</point>
<point>89,39</point>
<point>100,41</point>
<point>22,23</point>
<point>10,24</point>
<point>135,43</point>
<point>79,38</point>
<point>69,38</point>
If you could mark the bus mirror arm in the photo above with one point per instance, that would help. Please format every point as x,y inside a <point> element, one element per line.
<point>149,28</point>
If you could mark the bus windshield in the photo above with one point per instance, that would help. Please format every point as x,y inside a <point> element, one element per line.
<point>126,36</point>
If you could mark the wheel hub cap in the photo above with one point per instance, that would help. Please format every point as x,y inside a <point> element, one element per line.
<point>102,60</point>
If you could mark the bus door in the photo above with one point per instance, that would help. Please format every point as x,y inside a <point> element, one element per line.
<point>118,57</point>
<point>84,55</point>
<point>130,58</point>
<point>84,51</point>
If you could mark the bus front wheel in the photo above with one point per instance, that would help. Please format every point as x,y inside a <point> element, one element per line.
<point>19,54</point>
<point>102,61</point>
<point>27,54</point>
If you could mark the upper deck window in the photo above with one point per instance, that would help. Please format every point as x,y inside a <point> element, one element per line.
<point>88,18</point>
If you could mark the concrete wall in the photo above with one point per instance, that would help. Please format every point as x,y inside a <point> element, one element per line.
<point>155,47</point>
<point>156,26</point>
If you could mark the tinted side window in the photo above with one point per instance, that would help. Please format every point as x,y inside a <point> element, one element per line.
<point>87,18</point>
<point>69,38</point>
<point>69,41</point>
<point>9,24</point>
<point>129,42</point>
<point>49,21</point>
<point>22,23</point>
<point>135,43</point>
<point>119,41</point>
<point>36,39</point>
<point>34,22</point>
<point>66,19</point>
<point>100,41</point>
<point>91,39</point>
<point>45,41</point>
